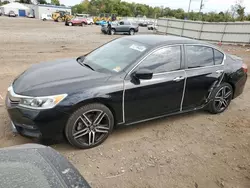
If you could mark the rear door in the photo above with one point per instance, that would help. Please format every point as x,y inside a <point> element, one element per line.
<point>204,68</point>
<point>126,26</point>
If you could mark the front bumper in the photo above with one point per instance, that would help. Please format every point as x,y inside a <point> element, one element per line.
<point>47,124</point>
<point>104,30</point>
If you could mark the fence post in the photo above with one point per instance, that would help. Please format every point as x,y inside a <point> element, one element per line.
<point>249,38</point>
<point>183,25</point>
<point>202,24</point>
<point>167,27</point>
<point>224,31</point>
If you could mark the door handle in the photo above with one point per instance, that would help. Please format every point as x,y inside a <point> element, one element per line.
<point>179,78</point>
<point>219,71</point>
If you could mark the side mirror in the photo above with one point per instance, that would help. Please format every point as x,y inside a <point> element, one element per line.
<point>143,74</point>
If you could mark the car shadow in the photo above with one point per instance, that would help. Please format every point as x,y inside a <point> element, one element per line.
<point>170,119</point>
<point>63,145</point>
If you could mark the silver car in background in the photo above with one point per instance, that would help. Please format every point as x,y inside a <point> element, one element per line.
<point>123,26</point>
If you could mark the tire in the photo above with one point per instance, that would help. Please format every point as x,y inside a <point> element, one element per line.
<point>84,24</point>
<point>112,32</point>
<point>44,19</point>
<point>70,24</point>
<point>220,98</point>
<point>83,121</point>
<point>131,31</point>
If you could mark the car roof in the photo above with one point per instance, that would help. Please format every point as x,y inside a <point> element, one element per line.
<point>158,40</point>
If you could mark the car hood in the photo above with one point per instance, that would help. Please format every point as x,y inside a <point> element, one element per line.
<point>56,77</point>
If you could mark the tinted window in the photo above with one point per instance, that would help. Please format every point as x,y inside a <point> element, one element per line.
<point>163,60</point>
<point>218,57</point>
<point>199,56</point>
<point>121,23</point>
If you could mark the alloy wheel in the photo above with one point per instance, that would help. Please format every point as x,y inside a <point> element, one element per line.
<point>91,128</point>
<point>223,98</point>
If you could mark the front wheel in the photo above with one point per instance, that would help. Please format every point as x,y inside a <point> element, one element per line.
<point>131,31</point>
<point>89,126</point>
<point>220,98</point>
<point>70,24</point>
<point>112,32</point>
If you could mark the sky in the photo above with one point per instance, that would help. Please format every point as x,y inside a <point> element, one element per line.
<point>210,5</point>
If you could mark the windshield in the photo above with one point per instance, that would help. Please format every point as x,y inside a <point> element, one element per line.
<point>115,56</point>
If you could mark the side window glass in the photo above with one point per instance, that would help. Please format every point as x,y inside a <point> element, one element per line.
<point>199,56</point>
<point>121,23</point>
<point>163,60</point>
<point>126,23</point>
<point>218,57</point>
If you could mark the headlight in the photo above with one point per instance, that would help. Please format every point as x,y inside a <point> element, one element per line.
<point>41,102</point>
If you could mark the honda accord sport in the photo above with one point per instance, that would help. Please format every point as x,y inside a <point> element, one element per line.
<point>126,81</point>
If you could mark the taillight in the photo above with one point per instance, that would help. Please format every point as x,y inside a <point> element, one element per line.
<point>244,66</point>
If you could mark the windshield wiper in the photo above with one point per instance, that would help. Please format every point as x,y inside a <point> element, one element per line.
<point>80,60</point>
<point>86,65</point>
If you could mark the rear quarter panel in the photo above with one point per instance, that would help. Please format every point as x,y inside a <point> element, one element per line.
<point>234,74</point>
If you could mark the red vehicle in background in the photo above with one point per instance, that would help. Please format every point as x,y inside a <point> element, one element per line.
<point>76,21</point>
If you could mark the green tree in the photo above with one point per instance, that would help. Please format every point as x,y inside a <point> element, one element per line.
<point>241,12</point>
<point>4,3</point>
<point>42,2</point>
<point>25,1</point>
<point>122,8</point>
<point>238,9</point>
<point>55,2</point>
<point>248,17</point>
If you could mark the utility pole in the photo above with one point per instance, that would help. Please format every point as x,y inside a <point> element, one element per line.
<point>189,5</point>
<point>201,6</point>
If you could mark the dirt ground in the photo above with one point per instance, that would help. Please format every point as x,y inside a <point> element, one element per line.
<point>185,151</point>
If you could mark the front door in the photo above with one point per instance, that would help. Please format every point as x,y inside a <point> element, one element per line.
<point>160,95</point>
<point>121,27</point>
<point>204,69</point>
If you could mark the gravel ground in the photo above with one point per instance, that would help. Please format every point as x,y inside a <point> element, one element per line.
<point>191,150</point>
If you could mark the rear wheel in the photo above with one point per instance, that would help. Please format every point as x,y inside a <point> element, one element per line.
<point>221,98</point>
<point>70,24</point>
<point>84,24</point>
<point>44,19</point>
<point>89,126</point>
<point>131,31</point>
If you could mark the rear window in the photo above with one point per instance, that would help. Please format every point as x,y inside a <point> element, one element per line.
<point>199,56</point>
<point>218,57</point>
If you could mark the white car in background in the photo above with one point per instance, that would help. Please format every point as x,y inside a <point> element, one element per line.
<point>46,17</point>
<point>90,21</point>
<point>153,27</point>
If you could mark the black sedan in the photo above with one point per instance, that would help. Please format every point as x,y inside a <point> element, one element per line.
<point>126,81</point>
